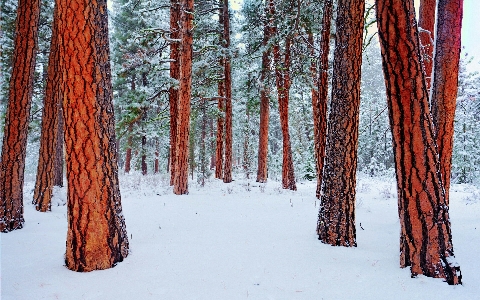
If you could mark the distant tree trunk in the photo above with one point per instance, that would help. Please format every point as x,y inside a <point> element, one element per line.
<point>336,220</point>
<point>49,139</point>
<point>144,137</point>
<point>425,239</point>
<point>175,74</point>
<point>262,173</point>
<point>128,156</point>
<point>58,165</point>
<point>157,150</point>
<point>144,155</point>
<point>246,140</point>
<point>227,170</point>
<point>221,108</point>
<point>14,145</point>
<point>96,236</point>
<point>203,152</point>
<point>426,20</point>
<point>445,82</point>
<point>282,74</point>
<point>183,123</point>
<point>320,100</point>
<point>212,144</point>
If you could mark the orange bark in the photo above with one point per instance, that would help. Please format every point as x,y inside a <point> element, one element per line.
<point>283,82</point>
<point>14,145</point>
<point>426,240</point>
<point>320,94</point>
<point>175,74</point>
<point>220,131</point>
<point>445,83</point>
<point>426,20</point>
<point>227,169</point>
<point>183,122</point>
<point>262,172</point>
<point>96,236</point>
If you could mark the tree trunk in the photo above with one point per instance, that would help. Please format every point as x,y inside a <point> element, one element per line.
<point>283,89</point>
<point>96,236</point>
<point>128,156</point>
<point>50,130</point>
<point>320,96</point>
<point>336,220</point>
<point>221,108</point>
<point>425,240</point>
<point>426,21</point>
<point>183,123</point>
<point>227,170</point>
<point>58,165</point>
<point>144,137</point>
<point>175,74</point>
<point>212,144</point>
<point>144,155</point>
<point>262,172</point>
<point>156,167</point>
<point>445,82</point>
<point>14,145</point>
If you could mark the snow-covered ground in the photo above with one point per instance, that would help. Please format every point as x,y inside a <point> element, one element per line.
<point>237,241</point>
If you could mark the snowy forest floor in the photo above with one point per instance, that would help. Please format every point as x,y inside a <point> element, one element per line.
<point>237,241</point>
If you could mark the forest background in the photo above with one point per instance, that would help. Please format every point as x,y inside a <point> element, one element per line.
<point>141,97</point>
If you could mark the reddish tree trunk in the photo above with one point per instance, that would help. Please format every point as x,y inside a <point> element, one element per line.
<point>227,169</point>
<point>96,236</point>
<point>426,20</point>
<point>14,145</point>
<point>50,130</point>
<point>283,89</point>
<point>445,84</point>
<point>175,74</point>
<point>425,240</point>
<point>183,123</point>
<point>336,220</point>
<point>262,172</point>
<point>219,151</point>
<point>320,95</point>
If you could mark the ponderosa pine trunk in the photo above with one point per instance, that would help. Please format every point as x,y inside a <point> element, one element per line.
<point>144,155</point>
<point>219,150</point>
<point>183,122</point>
<point>262,172</point>
<point>425,239</point>
<point>320,100</point>
<point>426,21</point>
<point>336,219</point>
<point>282,76</point>
<point>144,137</point>
<point>175,74</point>
<point>445,82</point>
<point>156,165</point>
<point>282,71</point>
<point>14,144</point>
<point>227,168</point>
<point>220,132</point>
<point>59,155</point>
<point>49,139</point>
<point>128,156</point>
<point>96,236</point>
